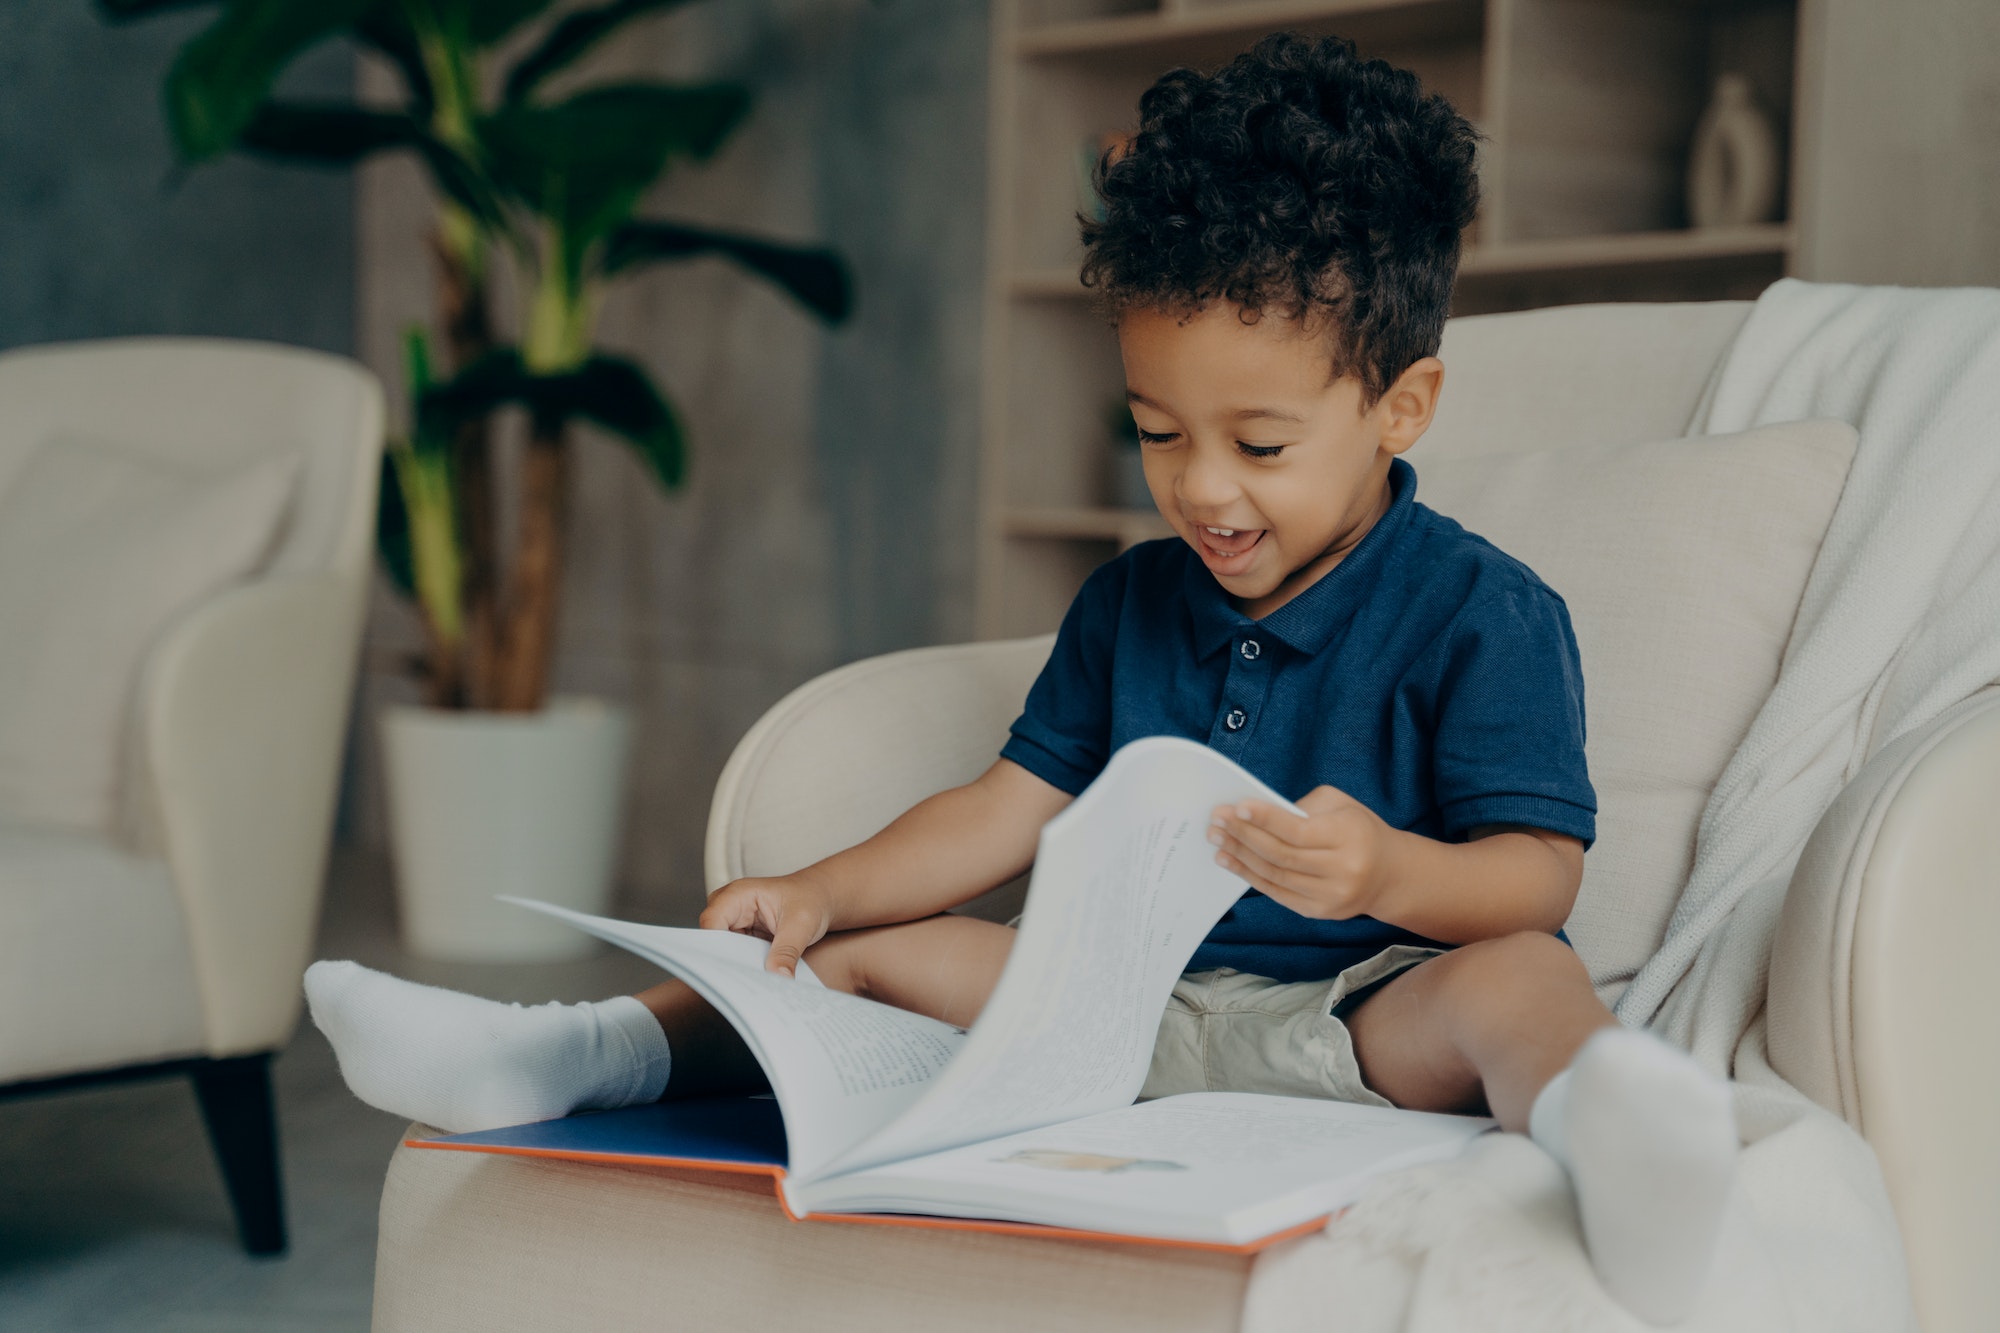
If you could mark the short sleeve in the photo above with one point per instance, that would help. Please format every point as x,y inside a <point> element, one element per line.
<point>1510,725</point>
<point>1063,735</point>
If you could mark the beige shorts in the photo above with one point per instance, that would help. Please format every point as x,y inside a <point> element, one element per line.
<point>1228,1031</point>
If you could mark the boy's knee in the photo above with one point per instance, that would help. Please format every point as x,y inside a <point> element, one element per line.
<point>837,959</point>
<point>1480,977</point>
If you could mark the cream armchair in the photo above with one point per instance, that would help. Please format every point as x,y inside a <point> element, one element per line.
<point>1886,911</point>
<point>171,941</point>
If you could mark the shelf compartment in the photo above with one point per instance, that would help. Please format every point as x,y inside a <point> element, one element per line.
<point>1578,254</point>
<point>1124,527</point>
<point>1065,384</point>
<point>1720,264</point>
<point>1035,580</point>
<point>1688,251</point>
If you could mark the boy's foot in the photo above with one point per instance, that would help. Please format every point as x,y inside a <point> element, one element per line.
<point>462,1063</point>
<point>1649,1138</point>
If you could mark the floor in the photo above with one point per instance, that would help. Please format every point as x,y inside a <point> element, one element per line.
<point>112,1215</point>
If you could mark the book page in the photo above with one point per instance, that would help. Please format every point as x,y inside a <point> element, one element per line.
<point>1210,1166</point>
<point>840,1066</point>
<point>1125,886</point>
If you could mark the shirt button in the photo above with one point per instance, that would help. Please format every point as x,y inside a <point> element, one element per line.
<point>1250,648</point>
<point>1235,719</point>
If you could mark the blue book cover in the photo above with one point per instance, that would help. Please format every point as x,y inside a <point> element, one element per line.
<point>721,1133</point>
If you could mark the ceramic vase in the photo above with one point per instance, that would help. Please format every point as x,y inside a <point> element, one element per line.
<point>484,804</point>
<point>1735,167</point>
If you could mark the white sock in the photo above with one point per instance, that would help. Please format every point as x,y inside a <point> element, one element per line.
<point>462,1063</point>
<point>1649,1139</point>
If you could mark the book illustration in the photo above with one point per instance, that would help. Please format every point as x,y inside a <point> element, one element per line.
<point>1062,1159</point>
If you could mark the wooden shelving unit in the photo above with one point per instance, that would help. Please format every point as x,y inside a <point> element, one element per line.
<point>1587,108</point>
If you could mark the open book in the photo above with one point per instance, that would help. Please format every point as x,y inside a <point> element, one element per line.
<point>1027,1118</point>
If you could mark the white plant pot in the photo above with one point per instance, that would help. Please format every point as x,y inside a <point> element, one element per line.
<point>482,804</point>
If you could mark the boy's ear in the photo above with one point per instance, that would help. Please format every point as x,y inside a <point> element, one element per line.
<point>1409,404</point>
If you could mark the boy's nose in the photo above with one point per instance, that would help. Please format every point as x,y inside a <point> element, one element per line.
<point>1206,483</point>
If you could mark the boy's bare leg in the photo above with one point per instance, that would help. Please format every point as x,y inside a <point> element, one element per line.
<point>1648,1137</point>
<point>944,967</point>
<point>1484,1026</point>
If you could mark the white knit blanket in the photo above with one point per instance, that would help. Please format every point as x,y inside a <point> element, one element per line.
<point>1900,620</point>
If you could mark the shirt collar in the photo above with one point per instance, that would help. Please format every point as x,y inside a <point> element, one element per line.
<point>1309,620</point>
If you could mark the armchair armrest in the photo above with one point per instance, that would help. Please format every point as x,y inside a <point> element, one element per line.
<point>843,754</point>
<point>240,723</point>
<point>1879,1004</point>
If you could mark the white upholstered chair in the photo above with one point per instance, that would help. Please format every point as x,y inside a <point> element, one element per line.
<point>166,933</point>
<point>1892,905</point>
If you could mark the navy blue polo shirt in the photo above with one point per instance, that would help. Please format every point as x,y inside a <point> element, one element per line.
<point>1429,675</point>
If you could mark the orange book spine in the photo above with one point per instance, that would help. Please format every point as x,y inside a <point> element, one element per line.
<point>777,1175</point>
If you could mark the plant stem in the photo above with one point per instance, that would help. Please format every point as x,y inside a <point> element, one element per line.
<point>557,339</point>
<point>467,320</point>
<point>426,484</point>
<point>537,573</point>
<point>561,310</point>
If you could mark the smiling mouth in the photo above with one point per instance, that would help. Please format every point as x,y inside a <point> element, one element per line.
<point>1226,544</point>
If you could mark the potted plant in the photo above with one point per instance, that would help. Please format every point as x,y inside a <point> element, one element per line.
<point>494,787</point>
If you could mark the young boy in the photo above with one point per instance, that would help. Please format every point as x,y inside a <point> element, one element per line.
<point>1278,252</point>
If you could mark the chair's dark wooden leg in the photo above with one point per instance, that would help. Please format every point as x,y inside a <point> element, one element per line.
<point>235,1096</point>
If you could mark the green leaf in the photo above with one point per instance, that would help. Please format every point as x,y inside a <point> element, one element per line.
<point>392,529</point>
<point>619,396</point>
<point>611,391</point>
<point>491,21</point>
<point>582,164</point>
<point>331,134</point>
<point>816,277</point>
<point>570,38</point>
<point>219,78</point>
<point>326,132</point>
<point>386,28</point>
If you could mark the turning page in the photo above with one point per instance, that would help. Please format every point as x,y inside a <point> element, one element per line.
<point>1125,886</point>
<point>840,1066</point>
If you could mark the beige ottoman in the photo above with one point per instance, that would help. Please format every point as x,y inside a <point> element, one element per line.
<point>487,1243</point>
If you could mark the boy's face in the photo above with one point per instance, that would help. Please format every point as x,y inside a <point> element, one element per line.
<point>1270,470</point>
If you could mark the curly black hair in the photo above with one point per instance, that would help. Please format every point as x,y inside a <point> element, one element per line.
<point>1299,180</point>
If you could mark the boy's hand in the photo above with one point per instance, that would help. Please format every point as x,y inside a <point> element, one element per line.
<point>790,911</point>
<point>1332,864</point>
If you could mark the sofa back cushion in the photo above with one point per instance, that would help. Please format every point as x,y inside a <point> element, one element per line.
<point>1682,563</point>
<point>214,403</point>
<point>1576,375</point>
<point>101,549</point>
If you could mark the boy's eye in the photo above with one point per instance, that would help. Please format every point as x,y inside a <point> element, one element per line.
<point>1158,437</point>
<point>1260,450</point>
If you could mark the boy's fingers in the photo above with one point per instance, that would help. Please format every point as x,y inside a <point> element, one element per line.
<point>1286,898</point>
<point>1262,814</point>
<point>1260,872</point>
<point>727,911</point>
<point>1271,847</point>
<point>1269,886</point>
<point>791,935</point>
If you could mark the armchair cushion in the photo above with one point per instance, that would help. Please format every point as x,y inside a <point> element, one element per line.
<point>94,964</point>
<point>1682,563</point>
<point>100,549</point>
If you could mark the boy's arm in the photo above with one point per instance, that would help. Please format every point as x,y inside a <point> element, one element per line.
<point>1503,878</point>
<point>945,850</point>
<point>1342,860</point>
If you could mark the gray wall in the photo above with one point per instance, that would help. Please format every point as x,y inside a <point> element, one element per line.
<point>93,242</point>
<point>829,510</point>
